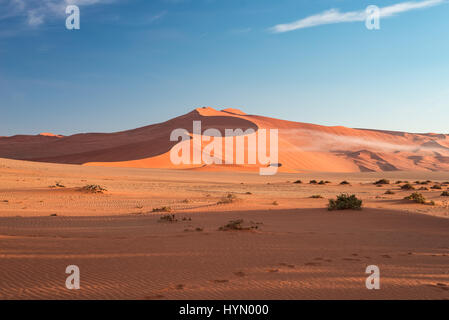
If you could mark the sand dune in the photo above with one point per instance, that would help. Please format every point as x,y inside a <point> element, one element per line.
<point>302,146</point>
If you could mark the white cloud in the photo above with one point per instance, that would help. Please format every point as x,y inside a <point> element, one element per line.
<point>335,16</point>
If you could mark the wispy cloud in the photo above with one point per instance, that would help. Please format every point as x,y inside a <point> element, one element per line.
<point>335,16</point>
<point>36,12</point>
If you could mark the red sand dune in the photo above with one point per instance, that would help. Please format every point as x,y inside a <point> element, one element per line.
<point>302,146</point>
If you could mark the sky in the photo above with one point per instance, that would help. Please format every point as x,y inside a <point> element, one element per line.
<point>137,62</point>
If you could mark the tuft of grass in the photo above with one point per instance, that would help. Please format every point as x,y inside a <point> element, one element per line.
<point>298,181</point>
<point>275,203</point>
<point>407,186</point>
<point>316,196</point>
<point>424,189</point>
<point>344,182</point>
<point>416,197</point>
<point>445,194</point>
<point>185,201</point>
<point>382,181</point>
<point>162,209</point>
<point>168,218</point>
<point>248,192</point>
<point>344,202</point>
<point>230,198</point>
<point>389,192</point>
<point>93,188</point>
<point>436,187</point>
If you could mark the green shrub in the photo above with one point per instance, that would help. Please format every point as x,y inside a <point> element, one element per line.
<point>382,181</point>
<point>344,182</point>
<point>313,182</point>
<point>93,188</point>
<point>436,186</point>
<point>298,181</point>
<point>344,202</point>
<point>416,197</point>
<point>445,194</point>
<point>407,186</point>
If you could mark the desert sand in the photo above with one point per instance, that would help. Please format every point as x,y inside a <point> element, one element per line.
<point>300,250</point>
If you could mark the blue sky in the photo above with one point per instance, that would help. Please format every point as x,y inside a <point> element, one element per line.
<point>138,62</point>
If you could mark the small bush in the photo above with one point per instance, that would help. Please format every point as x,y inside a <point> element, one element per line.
<point>436,186</point>
<point>445,194</point>
<point>416,197</point>
<point>389,192</point>
<point>275,203</point>
<point>248,192</point>
<point>344,182</point>
<point>230,198</point>
<point>313,182</point>
<point>398,182</point>
<point>382,181</point>
<point>168,218</point>
<point>59,184</point>
<point>407,186</point>
<point>93,188</point>
<point>162,209</point>
<point>316,196</point>
<point>422,182</point>
<point>298,181</point>
<point>344,202</point>
<point>237,225</point>
<point>423,189</point>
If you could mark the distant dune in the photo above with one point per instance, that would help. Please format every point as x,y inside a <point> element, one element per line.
<point>302,146</point>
